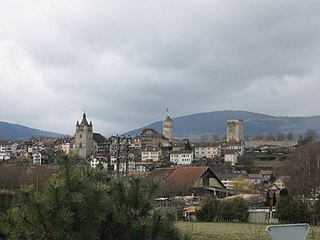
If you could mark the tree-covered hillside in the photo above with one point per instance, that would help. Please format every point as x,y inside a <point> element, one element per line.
<point>215,123</point>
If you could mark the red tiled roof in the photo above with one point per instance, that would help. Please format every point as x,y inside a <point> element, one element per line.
<point>266,172</point>
<point>255,176</point>
<point>181,179</point>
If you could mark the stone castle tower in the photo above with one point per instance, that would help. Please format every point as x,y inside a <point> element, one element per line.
<point>235,130</point>
<point>84,145</point>
<point>167,128</point>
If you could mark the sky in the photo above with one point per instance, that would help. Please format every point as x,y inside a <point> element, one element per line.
<point>124,62</point>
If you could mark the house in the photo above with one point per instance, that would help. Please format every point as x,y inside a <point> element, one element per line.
<point>178,145</point>
<point>267,175</point>
<point>207,150</point>
<point>100,144</point>
<point>231,156</point>
<point>255,178</point>
<point>182,157</point>
<point>36,158</point>
<point>230,179</point>
<point>98,160</point>
<point>5,150</point>
<point>282,181</point>
<point>149,137</point>
<point>151,154</point>
<point>67,145</point>
<point>189,180</point>
<point>236,146</point>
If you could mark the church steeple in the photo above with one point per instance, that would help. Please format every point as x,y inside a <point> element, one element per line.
<point>84,121</point>
<point>84,144</point>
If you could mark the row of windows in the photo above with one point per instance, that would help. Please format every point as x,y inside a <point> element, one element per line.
<point>182,155</point>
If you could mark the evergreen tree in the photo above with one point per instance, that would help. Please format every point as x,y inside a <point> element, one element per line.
<point>268,199</point>
<point>77,204</point>
<point>274,199</point>
<point>291,210</point>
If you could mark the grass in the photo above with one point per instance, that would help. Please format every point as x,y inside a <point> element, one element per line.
<point>231,231</point>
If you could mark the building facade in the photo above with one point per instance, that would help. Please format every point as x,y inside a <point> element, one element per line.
<point>151,154</point>
<point>235,130</point>
<point>207,150</point>
<point>168,128</point>
<point>183,157</point>
<point>84,144</point>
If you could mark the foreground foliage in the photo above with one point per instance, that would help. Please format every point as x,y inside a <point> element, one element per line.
<point>77,204</point>
<point>214,210</point>
<point>291,210</point>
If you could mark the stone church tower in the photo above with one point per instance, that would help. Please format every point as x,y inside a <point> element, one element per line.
<point>235,130</point>
<point>167,128</point>
<point>84,144</point>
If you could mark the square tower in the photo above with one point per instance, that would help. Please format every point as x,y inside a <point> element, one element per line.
<point>235,130</point>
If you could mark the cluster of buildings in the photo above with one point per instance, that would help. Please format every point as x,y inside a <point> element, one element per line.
<point>139,153</point>
<point>177,162</point>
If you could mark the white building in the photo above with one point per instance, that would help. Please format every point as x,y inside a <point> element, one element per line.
<point>37,158</point>
<point>151,154</point>
<point>231,156</point>
<point>95,161</point>
<point>207,150</point>
<point>184,157</point>
<point>5,150</point>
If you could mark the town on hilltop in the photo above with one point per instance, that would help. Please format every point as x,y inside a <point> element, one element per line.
<point>222,168</point>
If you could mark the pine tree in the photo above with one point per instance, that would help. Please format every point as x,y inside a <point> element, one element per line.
<point>274,199</point>
<point>76,203</point>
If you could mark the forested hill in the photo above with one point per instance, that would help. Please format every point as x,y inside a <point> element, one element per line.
<point>10,131</point>
<point>215,123</point>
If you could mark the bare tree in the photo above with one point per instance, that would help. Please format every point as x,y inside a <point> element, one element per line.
<point>303,167</point>
<point>310,135</point>
<point>289,136</point>
<point>280,136</point>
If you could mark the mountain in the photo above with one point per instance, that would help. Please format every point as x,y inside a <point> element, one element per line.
<point>10,131</point>
<point>215,123</point>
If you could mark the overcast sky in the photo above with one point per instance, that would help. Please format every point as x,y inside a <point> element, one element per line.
<point>125,61</point>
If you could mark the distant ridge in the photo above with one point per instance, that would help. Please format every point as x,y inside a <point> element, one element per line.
<point>11,131</point>
<point>215,123</point>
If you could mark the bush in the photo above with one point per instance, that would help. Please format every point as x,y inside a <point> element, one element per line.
<point>291,210</point>
<point>225,211</point>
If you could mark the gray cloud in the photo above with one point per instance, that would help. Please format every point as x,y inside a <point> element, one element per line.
<point>124,62</point>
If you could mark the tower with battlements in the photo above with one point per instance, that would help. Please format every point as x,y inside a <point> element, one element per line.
<point>168,128</point>
<point>235,130</point>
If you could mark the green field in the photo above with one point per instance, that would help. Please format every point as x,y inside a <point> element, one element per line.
<point>231,231</point>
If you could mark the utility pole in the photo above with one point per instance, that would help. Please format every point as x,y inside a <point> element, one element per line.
<point>118,157</point>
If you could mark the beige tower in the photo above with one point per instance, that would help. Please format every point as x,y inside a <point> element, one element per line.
<point>235,130</point>
<point>84,145</point>
<point>167,128</point>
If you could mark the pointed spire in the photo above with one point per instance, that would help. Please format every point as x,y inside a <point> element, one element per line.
<point>77,123</point>
<point>84,121</point>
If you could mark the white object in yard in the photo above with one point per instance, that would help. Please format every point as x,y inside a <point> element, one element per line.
<point>288,231</point>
